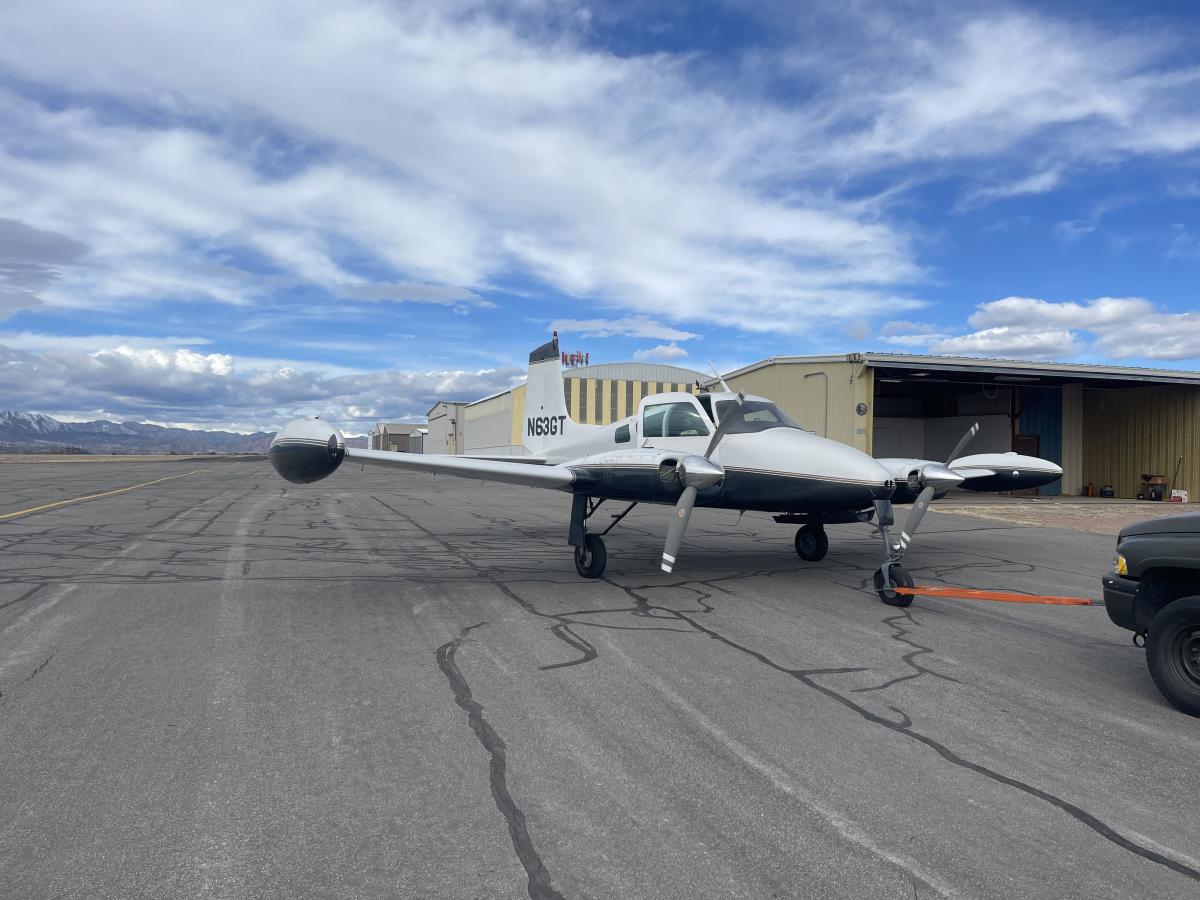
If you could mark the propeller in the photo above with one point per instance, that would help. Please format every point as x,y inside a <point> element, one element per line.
<point>935,477</point>
<point>962,443</point>
<point>695,472</point>
<point>939,475</point>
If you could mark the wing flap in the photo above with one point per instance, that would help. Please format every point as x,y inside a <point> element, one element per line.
<point>522,473</point>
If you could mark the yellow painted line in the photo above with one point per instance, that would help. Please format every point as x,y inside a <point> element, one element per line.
<point>132,487</point>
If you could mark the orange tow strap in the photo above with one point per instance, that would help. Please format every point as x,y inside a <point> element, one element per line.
<point>1003,596</point>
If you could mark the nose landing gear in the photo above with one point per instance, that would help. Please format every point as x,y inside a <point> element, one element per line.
<point>891,574</point>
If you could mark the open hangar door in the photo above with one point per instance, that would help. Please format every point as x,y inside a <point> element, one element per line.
<point>922,413</point>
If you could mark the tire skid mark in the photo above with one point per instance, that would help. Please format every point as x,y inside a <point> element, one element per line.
<point>540,885</point>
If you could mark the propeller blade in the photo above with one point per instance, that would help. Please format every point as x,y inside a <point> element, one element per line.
<point>727,422</point>
<point>696,472</point>
<point>679,524</point>
<point>915,515</point>
<point>962,444</point>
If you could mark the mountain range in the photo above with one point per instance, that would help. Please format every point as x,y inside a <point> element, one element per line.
<point>22,432</point>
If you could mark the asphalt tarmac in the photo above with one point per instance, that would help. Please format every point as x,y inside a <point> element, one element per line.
<point>389,685</point>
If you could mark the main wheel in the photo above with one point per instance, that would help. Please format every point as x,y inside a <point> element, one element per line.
<point>1173,653</point>
<point>900,578</point>
<point>812,543</point>
<point>591,558</point>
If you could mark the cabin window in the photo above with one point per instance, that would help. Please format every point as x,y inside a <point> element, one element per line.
<point>673,420</point>
<point>623,434</point>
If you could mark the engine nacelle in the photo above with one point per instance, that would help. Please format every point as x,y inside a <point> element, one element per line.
<point>307,450</point>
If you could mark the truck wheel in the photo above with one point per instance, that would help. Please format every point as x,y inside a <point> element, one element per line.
<point>1173,653</point>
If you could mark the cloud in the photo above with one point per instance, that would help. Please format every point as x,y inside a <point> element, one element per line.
<point>447,153</point>
<point>1008,341</point>
<point>1028,327</point>
<point>415,293</point>
<point>22,243</point>
<point>901,327</point>
<point>429,144</point>
<point>1071,230</point>
<point>1184,244</point>
<point>1038,183</point>
<point>662,351</point>
<point>31,261</point>
<point>216,390</point>
<point>630,326</point>
<point>88,343</point>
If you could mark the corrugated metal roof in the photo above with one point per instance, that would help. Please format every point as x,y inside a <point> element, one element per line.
<point>635,371</point>
<point>916,361</point>
<point>448,403</point>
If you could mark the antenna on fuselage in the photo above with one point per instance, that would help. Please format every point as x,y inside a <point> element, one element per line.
<point>724,386</point>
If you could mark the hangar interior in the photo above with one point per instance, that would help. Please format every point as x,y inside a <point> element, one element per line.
<point>1105,425</point>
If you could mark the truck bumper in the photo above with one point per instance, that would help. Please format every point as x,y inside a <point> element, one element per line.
<point>1119,593</point>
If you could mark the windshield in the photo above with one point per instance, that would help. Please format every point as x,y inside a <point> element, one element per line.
<point>673,420</point>
<point>757,415</point>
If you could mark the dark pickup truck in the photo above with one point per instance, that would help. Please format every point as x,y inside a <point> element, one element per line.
<point>1154,591</point>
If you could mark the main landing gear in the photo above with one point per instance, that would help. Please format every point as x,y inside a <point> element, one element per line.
<point>812,543</point>
<point>591,556</point>
<point>891,574</point>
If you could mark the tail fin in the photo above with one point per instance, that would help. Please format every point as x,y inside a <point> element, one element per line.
<point>546,418</point>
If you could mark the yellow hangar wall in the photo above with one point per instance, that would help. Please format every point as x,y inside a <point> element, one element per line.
<point>596,401</point>
<point>1129,432</point>
<point>822,397</point>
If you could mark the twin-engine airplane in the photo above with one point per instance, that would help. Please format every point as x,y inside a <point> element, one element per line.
<point>721,449</point>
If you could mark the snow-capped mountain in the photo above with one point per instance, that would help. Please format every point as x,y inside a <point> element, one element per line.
<point>22,432</point>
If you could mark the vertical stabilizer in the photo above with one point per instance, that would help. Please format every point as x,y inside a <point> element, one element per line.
<point>547,422</point>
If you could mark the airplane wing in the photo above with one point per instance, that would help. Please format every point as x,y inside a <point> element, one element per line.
<point>522,473</point>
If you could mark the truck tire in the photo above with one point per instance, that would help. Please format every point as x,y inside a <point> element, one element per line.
<point>1173,653</point>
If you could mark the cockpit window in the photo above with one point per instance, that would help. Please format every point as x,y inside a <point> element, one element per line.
<point>757,415</point>
<point>673,420</point>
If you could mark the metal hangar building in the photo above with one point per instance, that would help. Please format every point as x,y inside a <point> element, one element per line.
<point>1107,426</point>
<point>595,395</point>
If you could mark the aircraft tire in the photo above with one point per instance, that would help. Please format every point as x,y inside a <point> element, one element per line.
<point>591,558</point>
<point>812,543</point>
<point>899,577</point>
<point>1173,653</point>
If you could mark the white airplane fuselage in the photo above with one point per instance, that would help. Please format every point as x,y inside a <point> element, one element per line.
<point>780,468</point>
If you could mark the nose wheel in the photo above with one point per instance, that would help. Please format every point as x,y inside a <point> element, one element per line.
<point>812,543</point>
<point>891,574</point>
<point>885,587</point>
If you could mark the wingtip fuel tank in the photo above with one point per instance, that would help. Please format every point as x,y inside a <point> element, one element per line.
<point>307,450</point>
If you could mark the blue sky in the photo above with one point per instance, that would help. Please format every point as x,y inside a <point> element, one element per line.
<point>236,213</point>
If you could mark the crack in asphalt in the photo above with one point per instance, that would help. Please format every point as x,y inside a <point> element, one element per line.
<point>905,727</point>
<point>900,633</point>
<point>540,884</point>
